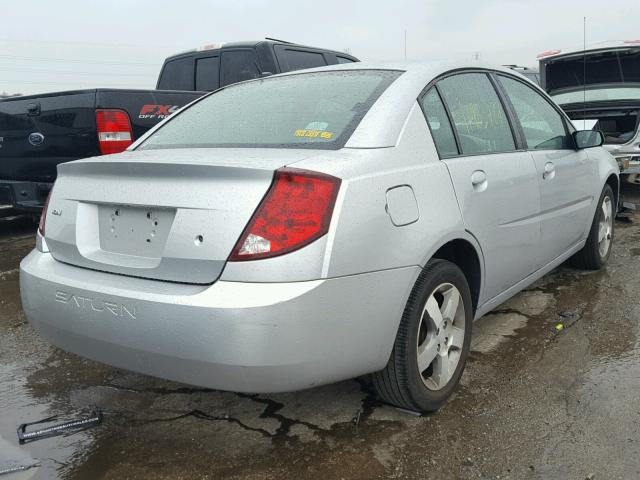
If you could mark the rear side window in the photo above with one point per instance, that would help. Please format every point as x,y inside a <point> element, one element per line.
<point>291,59</point>
<point>477,114</point>
<point>238,66</point>
<point>439,125</point>
<point>542,125</point>
<point>307,110</point>
<point>177,75</point>
<point>344,59</point>
<point>208,73</point>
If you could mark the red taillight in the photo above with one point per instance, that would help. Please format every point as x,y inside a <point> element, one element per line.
<point>43,214</point>
<point>114,131</point>
<point>295,211</point>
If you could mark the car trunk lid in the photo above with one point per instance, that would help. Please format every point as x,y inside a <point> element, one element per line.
<point>170,215</point>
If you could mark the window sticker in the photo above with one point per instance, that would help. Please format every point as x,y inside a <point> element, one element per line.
<point>313,134</point>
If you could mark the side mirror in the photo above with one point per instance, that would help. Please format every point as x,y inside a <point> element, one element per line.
<point>588,138</point>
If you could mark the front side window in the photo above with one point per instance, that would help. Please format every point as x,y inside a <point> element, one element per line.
<point>238,66</point>
<point>291,59</point>
<point>307,110</point>
<point>439,125</point>
<point>542,125</point>
<point>477,114</point>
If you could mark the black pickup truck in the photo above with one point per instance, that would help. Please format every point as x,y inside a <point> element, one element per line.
<point>37,132</point>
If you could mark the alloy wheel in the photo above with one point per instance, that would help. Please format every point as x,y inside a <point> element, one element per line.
<point>605,227</point>
<point>440,336</point>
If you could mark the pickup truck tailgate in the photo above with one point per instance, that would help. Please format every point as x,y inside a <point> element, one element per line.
<point>39,132</point>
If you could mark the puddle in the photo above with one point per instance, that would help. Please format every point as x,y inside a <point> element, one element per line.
<point>534,402</point>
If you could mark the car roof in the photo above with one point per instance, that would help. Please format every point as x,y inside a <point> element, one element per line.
<point>251,44</point>
<point>421,70</point>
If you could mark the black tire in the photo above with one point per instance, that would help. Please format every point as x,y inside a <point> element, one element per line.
<point>589,258</point>
<point>401,383</point>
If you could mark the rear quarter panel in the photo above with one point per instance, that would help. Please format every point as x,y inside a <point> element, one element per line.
<point>362,237</point>
<point>365,238</point>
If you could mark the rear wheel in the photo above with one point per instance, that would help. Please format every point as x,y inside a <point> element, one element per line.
<point>596,251</point>
<point>432,343</point>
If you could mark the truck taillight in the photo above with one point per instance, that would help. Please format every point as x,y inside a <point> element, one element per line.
<point>43,214</point>
<point>114,131</point>
<point>295,211</point>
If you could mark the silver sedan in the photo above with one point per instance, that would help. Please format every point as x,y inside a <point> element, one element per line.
<point>306,228</point>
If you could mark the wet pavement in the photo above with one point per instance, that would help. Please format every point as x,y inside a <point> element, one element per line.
<point>535,401</point>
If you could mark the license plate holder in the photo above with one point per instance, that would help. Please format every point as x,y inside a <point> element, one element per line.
<point>139,231</point>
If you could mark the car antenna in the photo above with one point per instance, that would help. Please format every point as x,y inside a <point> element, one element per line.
<point>277,40</point>
<point>584,73</point>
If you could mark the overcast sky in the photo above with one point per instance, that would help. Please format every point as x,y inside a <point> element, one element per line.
<point>50,45</point>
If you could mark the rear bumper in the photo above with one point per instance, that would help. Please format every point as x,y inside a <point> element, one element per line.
<point>22,197</point>
<point>247,337</point>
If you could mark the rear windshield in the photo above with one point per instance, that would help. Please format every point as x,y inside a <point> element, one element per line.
<point>307,110</point>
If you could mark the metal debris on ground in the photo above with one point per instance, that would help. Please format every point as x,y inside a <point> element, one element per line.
<point>6,469</point>
<point>409,412</point>
<point>65,428</point>
<point>356,419</point>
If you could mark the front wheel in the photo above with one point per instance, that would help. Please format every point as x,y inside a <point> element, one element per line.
<point>596,251</point>
<point>432,343</point>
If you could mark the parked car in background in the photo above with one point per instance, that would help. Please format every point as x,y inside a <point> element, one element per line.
<point>528,72</point>
<point>599,88</point>
<point>38,132</point>
<point>292,231</point>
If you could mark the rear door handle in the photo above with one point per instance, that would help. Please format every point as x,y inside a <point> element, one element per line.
<point>549,171</point>
<point>479,180</point>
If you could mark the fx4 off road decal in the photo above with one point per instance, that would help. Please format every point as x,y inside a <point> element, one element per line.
<point>157,112</point>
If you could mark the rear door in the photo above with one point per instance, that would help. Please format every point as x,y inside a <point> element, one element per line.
<point>566,176</point>
<point>495,183</point>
